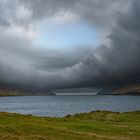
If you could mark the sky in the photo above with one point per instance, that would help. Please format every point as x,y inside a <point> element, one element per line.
<point>69,43</point>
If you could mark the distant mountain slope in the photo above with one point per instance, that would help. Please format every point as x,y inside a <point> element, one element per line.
<point>20,92</point>
<point>133,89</point>
<point>11,92</point>
<point>129,89</point>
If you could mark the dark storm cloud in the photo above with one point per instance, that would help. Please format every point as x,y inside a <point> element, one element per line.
<point>26,65</point>
<point>98,12</point>
<point>119,61</point>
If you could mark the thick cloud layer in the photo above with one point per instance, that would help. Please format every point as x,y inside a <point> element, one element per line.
<point>119,61</point>
<point>24,64</point>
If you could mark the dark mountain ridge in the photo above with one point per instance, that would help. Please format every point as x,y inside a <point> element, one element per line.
<point>121,89</point>
<point>6,90</point>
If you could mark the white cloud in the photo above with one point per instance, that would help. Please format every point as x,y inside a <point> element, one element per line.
<point>23,13</point>
<point>65,17</point>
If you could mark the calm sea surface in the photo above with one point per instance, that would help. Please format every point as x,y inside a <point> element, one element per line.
<point>62,105</point>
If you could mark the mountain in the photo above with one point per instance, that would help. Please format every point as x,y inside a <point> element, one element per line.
<point>127,89</point>
<point>22,92</point>
<point>132,89</point>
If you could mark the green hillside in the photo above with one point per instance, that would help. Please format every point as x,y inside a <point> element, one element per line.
<point>99,125</point>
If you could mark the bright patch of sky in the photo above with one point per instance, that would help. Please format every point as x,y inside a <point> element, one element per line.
<point>66,35</point>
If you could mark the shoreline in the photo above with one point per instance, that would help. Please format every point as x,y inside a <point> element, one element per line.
<point>72,115</point>
<point>73,95</point>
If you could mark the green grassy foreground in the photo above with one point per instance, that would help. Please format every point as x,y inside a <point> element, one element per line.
<point>99,125</point>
